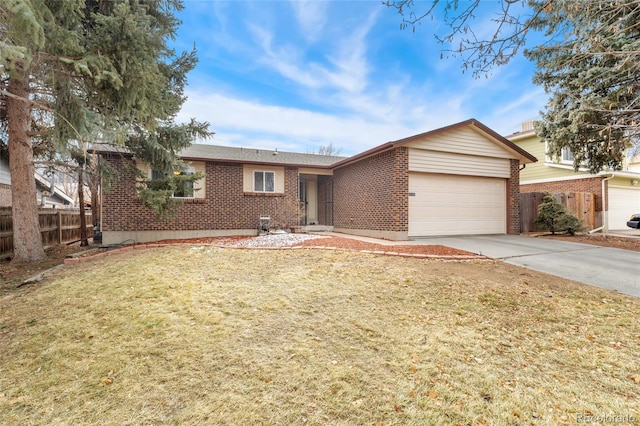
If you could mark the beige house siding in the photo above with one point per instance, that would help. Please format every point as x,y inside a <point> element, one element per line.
<point>312,207</point>
<point>624,182</point>
<point>533,172</point>
<point>462,141</point>
<point>422,160</point>
<point>248,170</point>
<point>543,169</point>
<point>314,171</point>
<point>199,186</point>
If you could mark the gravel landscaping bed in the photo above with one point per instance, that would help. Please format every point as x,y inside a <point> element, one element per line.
<point>275,240</point>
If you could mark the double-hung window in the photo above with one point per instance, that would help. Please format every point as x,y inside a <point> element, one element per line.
<point>264,181</point>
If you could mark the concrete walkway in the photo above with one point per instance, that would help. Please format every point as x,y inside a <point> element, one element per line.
<point>604,267</point>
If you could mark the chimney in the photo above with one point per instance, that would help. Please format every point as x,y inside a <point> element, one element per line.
<point>526,126</point>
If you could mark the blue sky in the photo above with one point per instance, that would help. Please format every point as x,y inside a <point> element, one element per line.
<point>297,75</point>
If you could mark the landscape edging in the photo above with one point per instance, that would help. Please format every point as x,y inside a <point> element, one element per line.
<point>74,260</point>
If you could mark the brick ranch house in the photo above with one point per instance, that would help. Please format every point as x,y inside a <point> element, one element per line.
<point>459,179</point>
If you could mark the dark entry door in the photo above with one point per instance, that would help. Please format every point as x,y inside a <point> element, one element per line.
<point>303,197</point>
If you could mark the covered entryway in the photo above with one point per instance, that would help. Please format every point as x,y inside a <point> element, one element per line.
<point>315,198</point>
<point>623,202</point>
<point>442,204</point>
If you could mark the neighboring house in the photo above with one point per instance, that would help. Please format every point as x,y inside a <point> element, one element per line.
<point>460,179</point>
<point>5,183</point>
<point>49,196</point>
<point>616,193</point>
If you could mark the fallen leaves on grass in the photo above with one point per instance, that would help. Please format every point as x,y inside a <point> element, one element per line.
<point>206,335</point>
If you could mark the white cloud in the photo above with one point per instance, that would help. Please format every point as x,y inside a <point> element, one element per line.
<point>350,60</point>
<point>311,17</point>
<point>250,123</point>
<point>507,119</point>
<point>286,60</point>
<point>242,123</point>
<point>346,66</point>
<point>328,85</point>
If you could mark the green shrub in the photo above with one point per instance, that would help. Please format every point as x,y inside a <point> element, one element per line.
<point>555,217</point>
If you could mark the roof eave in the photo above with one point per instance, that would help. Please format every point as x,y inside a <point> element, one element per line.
<point>523,156</point>
<point>265,163</point>
<point>375,150</point>
<point>620,173</point>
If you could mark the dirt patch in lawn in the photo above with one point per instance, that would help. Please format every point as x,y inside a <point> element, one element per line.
<point>13,274</point>
<point>209,335</point>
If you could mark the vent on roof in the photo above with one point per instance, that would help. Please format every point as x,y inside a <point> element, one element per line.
<point>275,152</point>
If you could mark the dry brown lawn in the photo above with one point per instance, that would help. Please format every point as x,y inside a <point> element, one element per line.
<point>205,335</point>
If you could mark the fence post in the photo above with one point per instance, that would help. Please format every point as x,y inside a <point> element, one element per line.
<point>59,225</point>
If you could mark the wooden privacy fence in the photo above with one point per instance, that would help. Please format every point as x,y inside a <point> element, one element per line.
<point>581,204</point>
<point>56,227</point>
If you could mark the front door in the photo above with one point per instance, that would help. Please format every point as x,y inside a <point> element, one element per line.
<point>303,199</point>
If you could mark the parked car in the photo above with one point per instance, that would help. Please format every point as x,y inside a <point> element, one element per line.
<point>634,222</point>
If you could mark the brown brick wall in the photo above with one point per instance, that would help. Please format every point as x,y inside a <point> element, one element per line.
<point>513,199</point>
<point>325,200</point>
<point>588,184</point>
<point>5,195</point>
<point>372,193</point>
<point>225,206</point>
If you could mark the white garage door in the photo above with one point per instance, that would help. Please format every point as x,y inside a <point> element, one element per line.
<point>456,205</point>
<point>623,202</point>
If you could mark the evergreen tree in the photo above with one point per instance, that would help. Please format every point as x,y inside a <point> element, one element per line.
<point>555,217</point>
<point>78,70</point>
<point>593,78</point>
<point>588,62</point>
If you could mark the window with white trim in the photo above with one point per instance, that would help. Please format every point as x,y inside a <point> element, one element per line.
<point>567,155</point>
<point>184,189</point>
<point>264,181</point>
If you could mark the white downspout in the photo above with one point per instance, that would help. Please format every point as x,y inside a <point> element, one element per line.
<point>605,211</point>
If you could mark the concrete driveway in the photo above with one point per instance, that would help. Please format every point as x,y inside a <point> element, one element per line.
<point>610,268</point>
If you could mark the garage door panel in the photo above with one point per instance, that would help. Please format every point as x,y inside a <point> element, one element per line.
<point>623,202</point>
<point>455,205</point>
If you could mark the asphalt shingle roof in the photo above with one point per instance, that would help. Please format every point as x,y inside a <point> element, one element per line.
<point>252,155</point>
